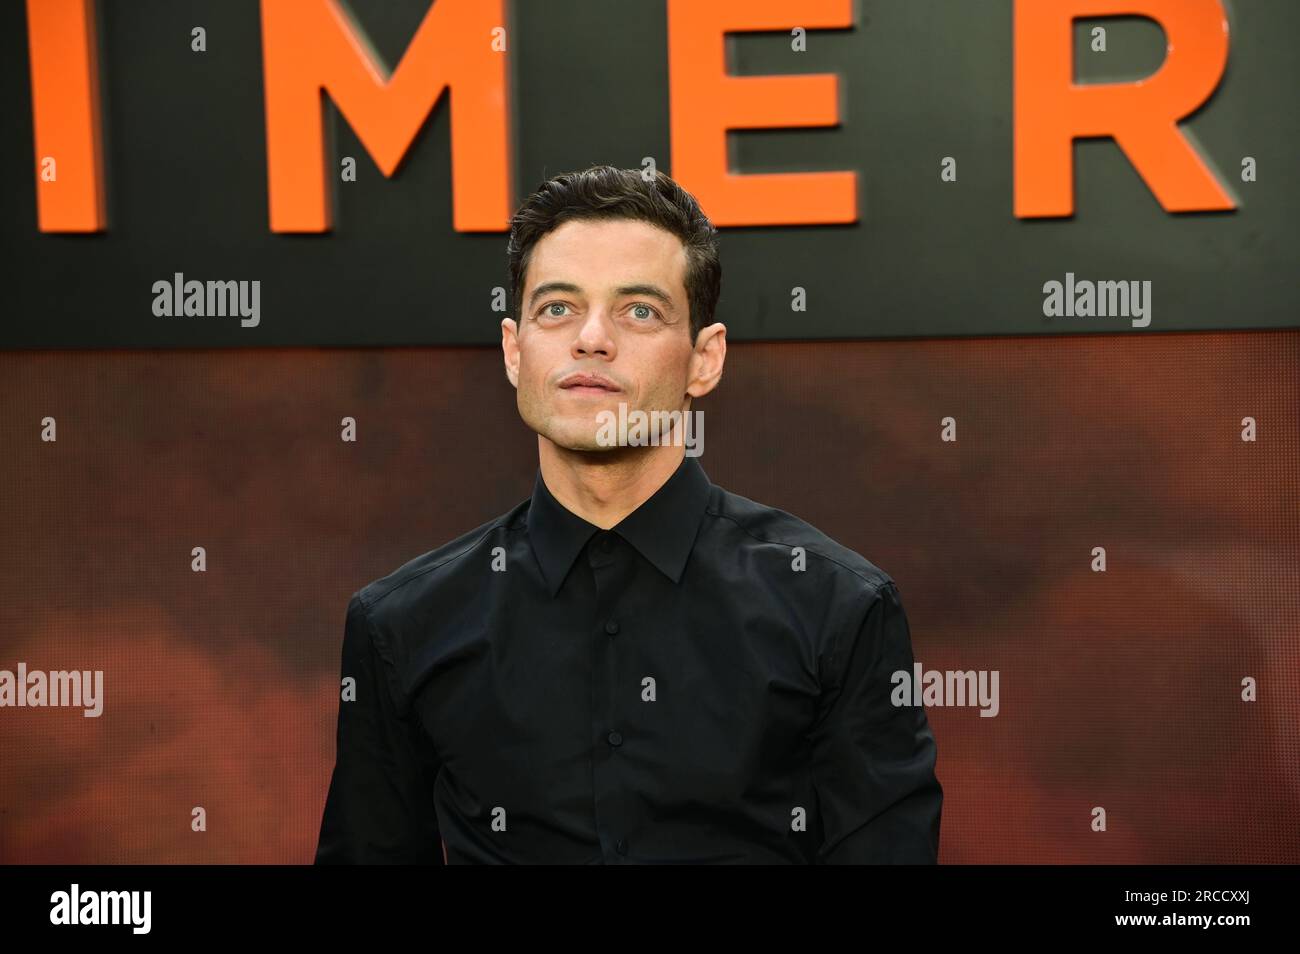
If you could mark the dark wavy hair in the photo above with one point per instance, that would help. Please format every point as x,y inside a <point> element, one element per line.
<point>604,192</point>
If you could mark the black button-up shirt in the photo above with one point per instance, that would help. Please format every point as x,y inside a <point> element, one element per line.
<point>707,681</point>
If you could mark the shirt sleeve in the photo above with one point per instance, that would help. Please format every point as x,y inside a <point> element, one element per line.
<point>379,809</point>
<point>873,762</point>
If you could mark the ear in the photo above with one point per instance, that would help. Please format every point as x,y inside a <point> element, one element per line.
<point>510,349</point>
<point>709,356</point>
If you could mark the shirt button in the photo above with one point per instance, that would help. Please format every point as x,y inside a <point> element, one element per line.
<point>621,846</point>
<point>615,738</point>
<point>606,543</point>
<point>611,627</point>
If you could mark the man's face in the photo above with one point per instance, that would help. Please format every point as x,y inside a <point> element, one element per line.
<point>607,299</point>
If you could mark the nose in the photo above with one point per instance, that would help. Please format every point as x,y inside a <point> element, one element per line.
<point>594,335</point>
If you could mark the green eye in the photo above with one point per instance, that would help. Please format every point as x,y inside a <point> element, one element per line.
<point>648,311</point>
<point>554,304</point>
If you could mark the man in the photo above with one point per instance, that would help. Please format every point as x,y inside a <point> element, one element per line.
<point>634,665</point>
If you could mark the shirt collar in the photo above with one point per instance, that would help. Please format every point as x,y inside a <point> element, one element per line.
<point>662,529</point>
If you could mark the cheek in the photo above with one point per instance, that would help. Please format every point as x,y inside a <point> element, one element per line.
<point>662,379</point>
<point>532,369</point>
<point>535,371</point>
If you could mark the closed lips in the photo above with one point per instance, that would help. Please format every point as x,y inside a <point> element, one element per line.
<point>588,381</point>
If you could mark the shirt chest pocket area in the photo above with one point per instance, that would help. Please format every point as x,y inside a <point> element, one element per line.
<point>731,726</point>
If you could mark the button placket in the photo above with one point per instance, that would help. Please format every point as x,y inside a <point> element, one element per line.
<point>612,575</point>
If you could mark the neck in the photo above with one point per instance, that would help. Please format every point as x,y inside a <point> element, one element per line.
<point>604,487</point>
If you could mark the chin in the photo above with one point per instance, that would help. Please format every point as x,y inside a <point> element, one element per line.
<point>570,435</point>
<point>585,443</point>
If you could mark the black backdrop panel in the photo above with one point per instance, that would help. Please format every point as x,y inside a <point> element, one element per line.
<point>185,173</point>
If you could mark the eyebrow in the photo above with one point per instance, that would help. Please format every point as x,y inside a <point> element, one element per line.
<point>652,291</point>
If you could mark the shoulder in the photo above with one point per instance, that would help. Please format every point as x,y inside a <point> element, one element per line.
<point>440,570</point>
<point>757,526</point>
